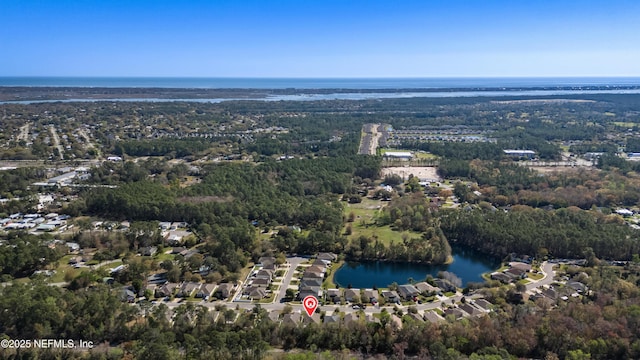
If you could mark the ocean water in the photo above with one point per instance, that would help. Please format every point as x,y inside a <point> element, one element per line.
<point>322,83</point>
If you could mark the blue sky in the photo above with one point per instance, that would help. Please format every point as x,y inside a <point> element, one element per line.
<point>324,38</point>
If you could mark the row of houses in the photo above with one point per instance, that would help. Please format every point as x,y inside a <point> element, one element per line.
<point>189,288</point>
<point>551,294</point>
<point>469,309</point>
<point>408,292</point>
<point>516,271</point>
<point>260,280</point>
<point>313,276</point>
<point>35,221</point>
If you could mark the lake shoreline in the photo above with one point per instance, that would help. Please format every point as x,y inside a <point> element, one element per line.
<point>468,264</point>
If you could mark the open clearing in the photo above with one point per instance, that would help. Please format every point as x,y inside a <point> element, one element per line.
<point>424,173</point>
<point>364,223</point>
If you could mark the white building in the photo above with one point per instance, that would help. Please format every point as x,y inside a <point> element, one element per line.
<point>401,155</point>
<point>528,154</point>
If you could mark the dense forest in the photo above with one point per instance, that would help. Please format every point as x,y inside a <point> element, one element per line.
<point>563,233</point>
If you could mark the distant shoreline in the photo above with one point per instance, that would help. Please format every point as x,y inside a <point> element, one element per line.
<point>26,94</point>
<point>329,84</point>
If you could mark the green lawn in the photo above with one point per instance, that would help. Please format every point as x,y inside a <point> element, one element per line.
<point>624,124</point>
<point>268,300</point>
<point>163,257</point>
<point>364,223</point>
<point>328,282</point>
<point>425,155</point>
<point>64,268</point>
<point>533,276</point>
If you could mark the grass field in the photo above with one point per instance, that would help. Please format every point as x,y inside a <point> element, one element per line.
<point>64,268</point>
<point>535,276</point>
<point>364,224</point>
<point>328,283</point>
<point>164,256</point>
<point>625,124</point>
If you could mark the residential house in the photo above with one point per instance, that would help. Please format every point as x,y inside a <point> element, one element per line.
<point>274,316</point>
<point>73,247</point>
<point>313,319</point>
<point>126,294</point>
<point>416,317</point>
<point>189,253</point>
<point>352,295</point>
<point>390,296</point>
<point>271,267</point>
<point>205,290</point>
<point>333,294</point>
<point>370,295</point>
<point>267,260</point>
<point>516,273</point>
<point>310,291</point>
<point>319,263</point>
<point>160,278</point>
<point>257,294</point>
<point>188,288</point>
<point>310,282</point>
<point>455,312</point>
<point>293,319</point>
<point>314,269</point>
<point>520,265</point>
<point>46,227</point>
<point>502,277</point>
<point>432,317</point>
<point>178,250</point>
<point>264,274</point>
<point>426,288</point>
<point>327,257</point>
<point>261,282</point>
<point>408,292</point>
<point>332,319</point>
<point>166,290</point>
<point>224,290</point>
<point>311,274</point>
<point>471,310</point>
<point>484,304</point>
<point>175,237</point>
<point>149,251</point>
<point>445,285</point>
<point>577,286</point>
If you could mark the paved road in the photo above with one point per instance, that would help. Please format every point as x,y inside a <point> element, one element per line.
<point>370,138</point>
<point>56,141</point>
<point>24,132</point>
<point>89,145</point>
<point>549,274</point>
<point>293,264</point>
<point>546,269</point>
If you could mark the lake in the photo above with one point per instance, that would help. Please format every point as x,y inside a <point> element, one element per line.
<point>467,264</point>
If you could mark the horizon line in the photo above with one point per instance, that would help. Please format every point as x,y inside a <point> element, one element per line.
<point>324,77</point>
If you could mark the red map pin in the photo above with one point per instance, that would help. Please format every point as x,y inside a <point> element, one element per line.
<point>310,304</point>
